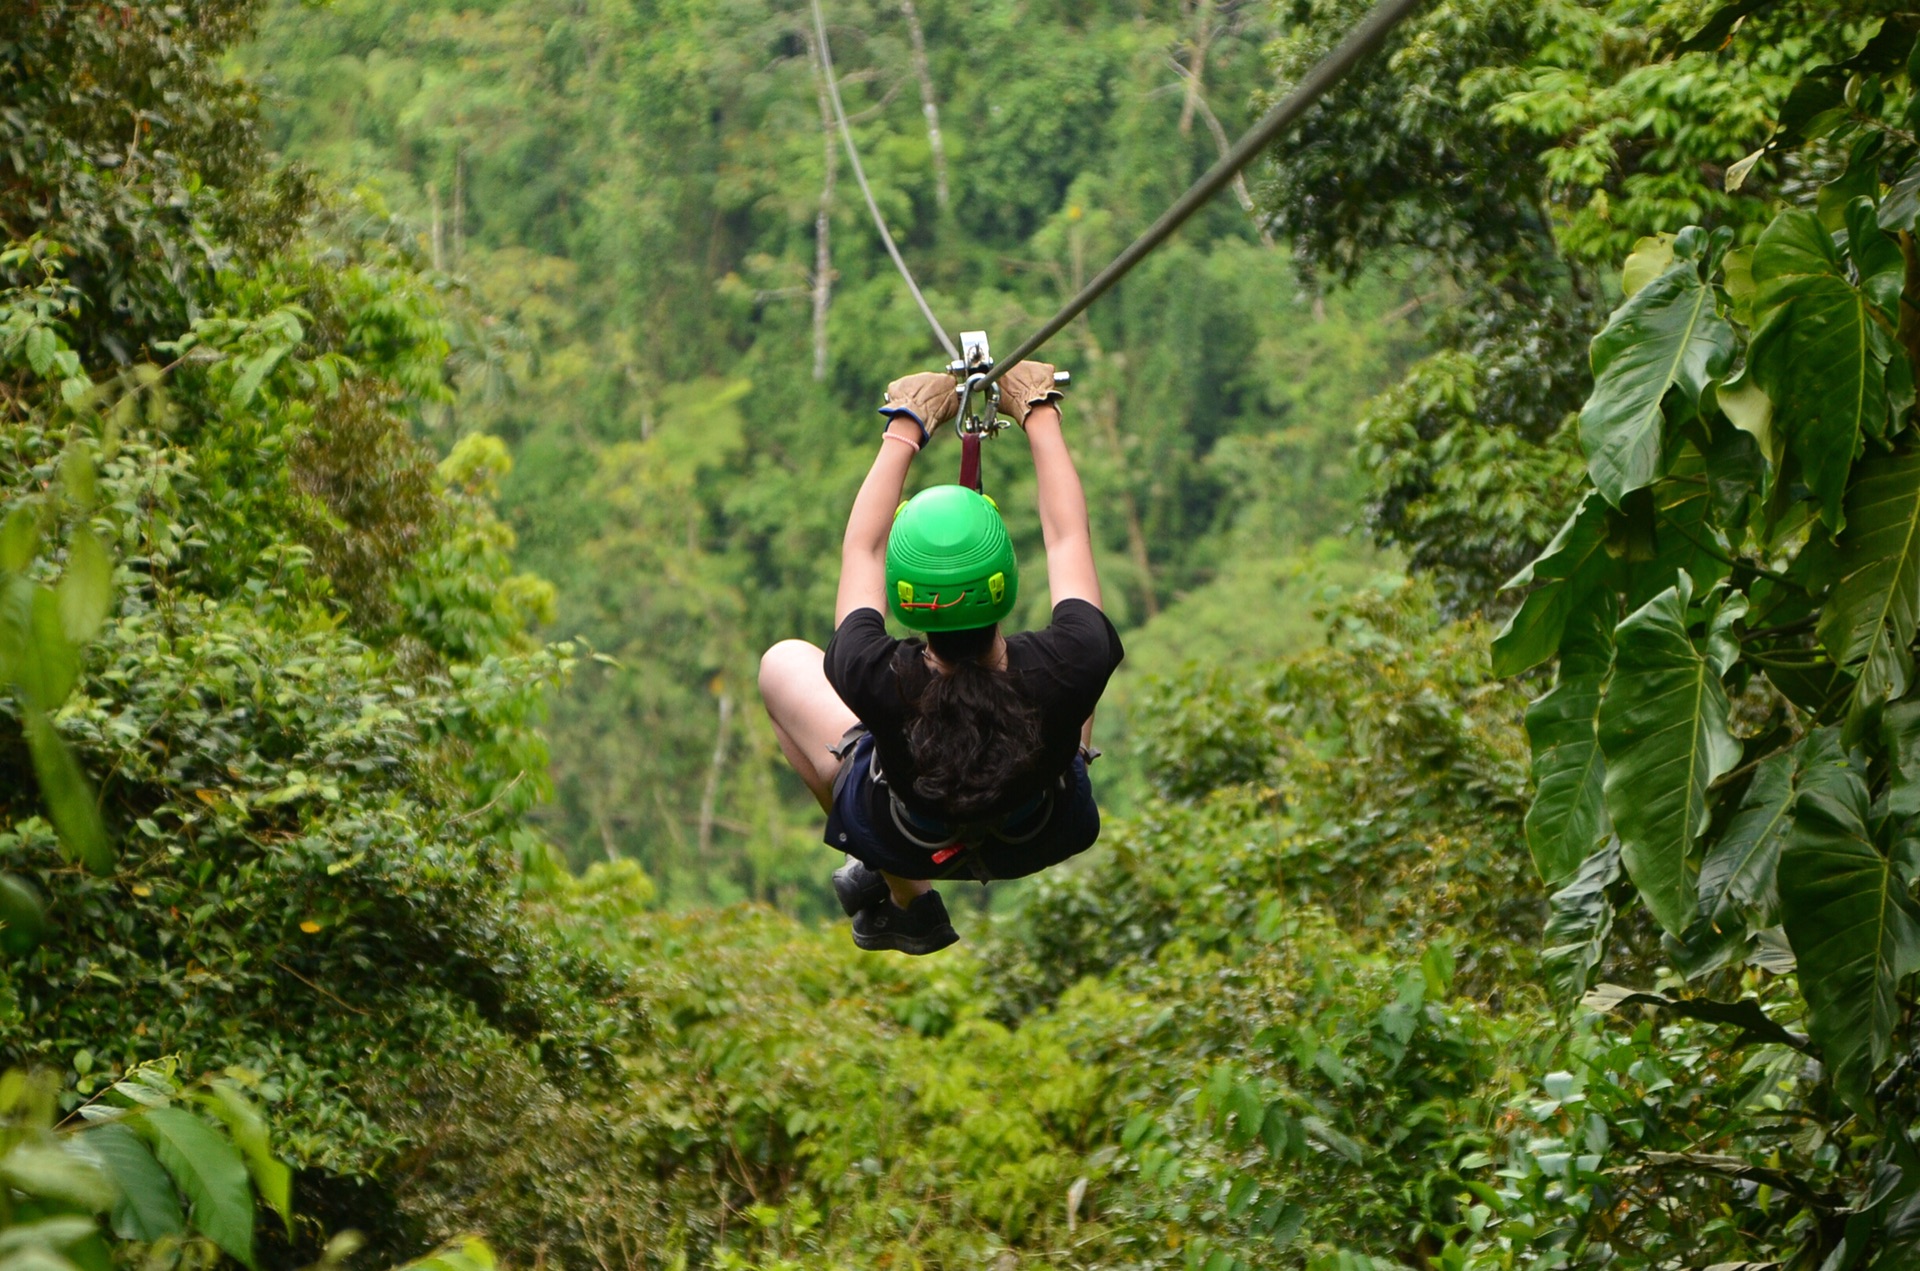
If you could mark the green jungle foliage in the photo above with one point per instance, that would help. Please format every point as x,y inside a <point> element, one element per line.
<point>1367,977</point>
<point>308,715</point>
<point>1517,149</point>
<point>1733,605</point>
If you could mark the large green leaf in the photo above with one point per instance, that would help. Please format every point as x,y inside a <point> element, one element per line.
<point>1568,817</point>
<point>468,1253</point>
<point>249,1130</point>
<point>1900,733</point>
<point>1567,571</point>
<point>1872,611</point>
<point>1683,533</point>
<point>19,537</point>
<point>55,1173</point>
<point>148,1207</point>
<point>86,589</point>
<point>65,1243</point>
<point>1853,927</point>
<point>1667,336</point>
<point>209,1173</point>
<point>1818,353</point>
<point>45,661</point>
<point>1580,920</point>
<point>23,916</point>
<point>1740,870</point>
<point>1663,732</point>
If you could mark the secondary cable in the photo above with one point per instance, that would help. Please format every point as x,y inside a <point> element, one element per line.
<point>1362,40</point>
<point>866,191</point>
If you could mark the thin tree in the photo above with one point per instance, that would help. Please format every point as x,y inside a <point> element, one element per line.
<point>929,106</point>
<point>716,767</point>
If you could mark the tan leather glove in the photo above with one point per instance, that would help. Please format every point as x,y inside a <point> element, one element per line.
<point>1027,385</point>
<point>929,398</point>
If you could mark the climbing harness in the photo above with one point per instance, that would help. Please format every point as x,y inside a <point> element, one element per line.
<point>948,845</point>
<point>948,841</point>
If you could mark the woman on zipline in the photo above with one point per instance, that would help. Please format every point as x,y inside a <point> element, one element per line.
<point>964,755</point>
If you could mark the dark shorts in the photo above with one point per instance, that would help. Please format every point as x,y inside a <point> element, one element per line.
<point>858,802</point>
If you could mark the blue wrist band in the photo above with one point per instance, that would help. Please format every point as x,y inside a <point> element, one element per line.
<point>894,412</point>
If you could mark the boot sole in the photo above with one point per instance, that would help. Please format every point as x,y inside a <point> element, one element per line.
<point>916,945</point>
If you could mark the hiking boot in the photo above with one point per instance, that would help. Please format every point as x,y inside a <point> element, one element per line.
<point>857,886</point>
<point>921,927</point>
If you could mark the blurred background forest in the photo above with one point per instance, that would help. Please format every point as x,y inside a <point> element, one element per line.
<point>420,414</point>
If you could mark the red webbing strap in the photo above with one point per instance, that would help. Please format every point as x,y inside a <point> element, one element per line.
<point>970,460</point>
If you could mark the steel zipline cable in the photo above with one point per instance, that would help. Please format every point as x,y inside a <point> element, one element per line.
<point>860,176</point>
<point>1363,39</point>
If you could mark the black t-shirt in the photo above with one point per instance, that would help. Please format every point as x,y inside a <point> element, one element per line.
<point>1062,669</point>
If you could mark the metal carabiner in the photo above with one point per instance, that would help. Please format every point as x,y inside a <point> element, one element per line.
<point>972,369</point>
<point>974,392</point>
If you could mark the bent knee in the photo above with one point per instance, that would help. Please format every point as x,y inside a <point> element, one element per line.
<point>785,659</point>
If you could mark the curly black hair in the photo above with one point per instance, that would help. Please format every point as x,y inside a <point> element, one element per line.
<point>974,733</point>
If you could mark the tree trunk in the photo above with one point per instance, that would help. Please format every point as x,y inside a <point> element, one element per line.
<point>715,767</point>
<point>439,247</point>
<point>459,205</point>
<point>1109,415</point>
<point>928,106</point>
<point>1241,194</point>
<point>1197,62</point>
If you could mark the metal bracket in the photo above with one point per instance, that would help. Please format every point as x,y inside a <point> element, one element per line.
<point>979,412</point>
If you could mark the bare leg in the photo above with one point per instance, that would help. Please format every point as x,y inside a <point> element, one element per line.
<point>808,716</point>
<point>903,890</point>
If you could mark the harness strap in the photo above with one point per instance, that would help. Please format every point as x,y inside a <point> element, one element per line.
<point>970,461</point>
<point>946,841</point>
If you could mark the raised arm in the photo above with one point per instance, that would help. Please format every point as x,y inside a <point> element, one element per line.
<point>1028,395</point>
<point>916,407</point>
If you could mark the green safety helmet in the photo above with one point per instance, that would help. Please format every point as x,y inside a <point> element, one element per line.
<point>950,564</point>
